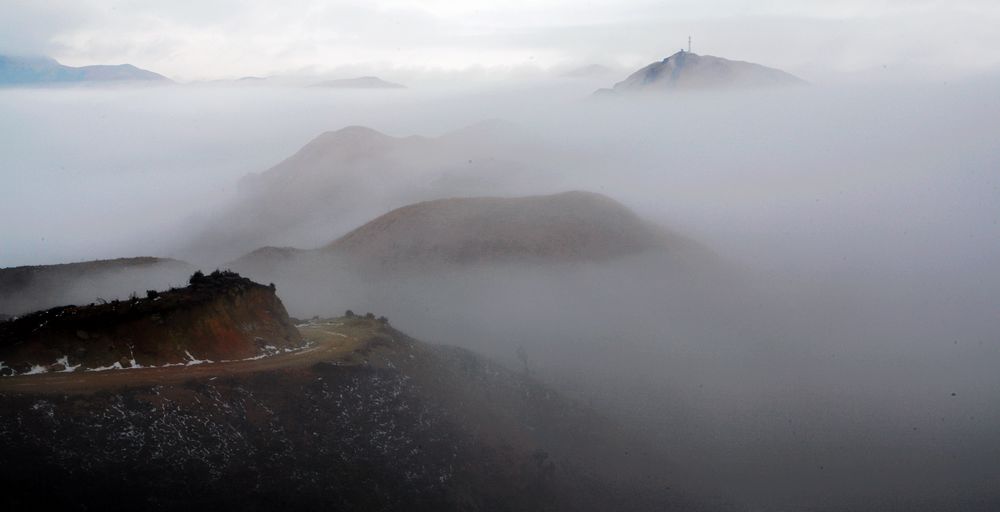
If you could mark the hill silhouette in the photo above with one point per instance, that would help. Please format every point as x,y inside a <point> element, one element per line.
<point>346,177</point>
<point>29,71</point>
<point>684,71</point>
<point>566,227</point>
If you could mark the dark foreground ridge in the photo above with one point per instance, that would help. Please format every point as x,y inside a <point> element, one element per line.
<point>218,316</point>
<point>366,419</point>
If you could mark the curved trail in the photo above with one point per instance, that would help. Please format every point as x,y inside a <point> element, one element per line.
<point>328,340</point>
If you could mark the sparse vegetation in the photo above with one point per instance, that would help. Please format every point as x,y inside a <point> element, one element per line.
<point>197,277</point>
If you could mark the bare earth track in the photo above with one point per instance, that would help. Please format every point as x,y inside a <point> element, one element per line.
<point>327,340</point>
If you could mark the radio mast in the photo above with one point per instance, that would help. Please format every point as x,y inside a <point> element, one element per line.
<point>689,44</point>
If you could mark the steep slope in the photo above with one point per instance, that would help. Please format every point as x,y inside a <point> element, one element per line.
<point>343,178</point>
<point>220,316</point>
<point>566,227</point>
<point>29,71</point>
<point>33,287</point>
<point>688,71</point>
<point>391,424</point>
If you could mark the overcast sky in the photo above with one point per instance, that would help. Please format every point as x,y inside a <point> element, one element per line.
<point>207,39</point>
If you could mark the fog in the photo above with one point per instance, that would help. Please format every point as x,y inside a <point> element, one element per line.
<point>838,351</point>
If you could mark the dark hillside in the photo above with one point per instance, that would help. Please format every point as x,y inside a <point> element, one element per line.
<point>219,316</point>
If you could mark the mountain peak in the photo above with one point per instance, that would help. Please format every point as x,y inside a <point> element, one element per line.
<point>353,132</point>
<point>681,54</point>
<point>38,70</point>
<point>689,71</point>
<point>350,141</point>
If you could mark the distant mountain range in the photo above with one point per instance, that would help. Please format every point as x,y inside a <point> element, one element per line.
<point>44,71</point>
<point>688,71</point>
<point>364,82</point>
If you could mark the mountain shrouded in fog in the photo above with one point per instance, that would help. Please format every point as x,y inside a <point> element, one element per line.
<point>572,226</point>
<point>364,82</point>
<point>32,287</point>
<point>30,71</point>
<point>343,177</point>
<point>686,71</point>
<point>451,233</point>
<point>757,277</point>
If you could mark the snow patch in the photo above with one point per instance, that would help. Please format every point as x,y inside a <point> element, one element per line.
<point>116,366</point>
<point>132,362</point>
<point>192,361</point>
<point>36,369</point>
<point>64,360</point>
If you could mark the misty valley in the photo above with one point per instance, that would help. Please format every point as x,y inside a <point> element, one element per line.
<point>699,284</point>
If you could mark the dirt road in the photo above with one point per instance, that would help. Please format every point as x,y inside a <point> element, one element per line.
<point>326,340</point>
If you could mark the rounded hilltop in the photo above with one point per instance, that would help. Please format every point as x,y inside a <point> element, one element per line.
<point>686,71</point>
<point>565,227</point>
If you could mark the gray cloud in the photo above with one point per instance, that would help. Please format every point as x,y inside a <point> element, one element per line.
<point>221,38</point>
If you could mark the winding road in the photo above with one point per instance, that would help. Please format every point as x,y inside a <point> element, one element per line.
<point>325,340</point>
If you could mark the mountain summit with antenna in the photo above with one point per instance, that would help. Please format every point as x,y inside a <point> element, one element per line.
<point>686,70</point>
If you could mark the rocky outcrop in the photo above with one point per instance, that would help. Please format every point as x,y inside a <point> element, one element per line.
<point>221,316</point>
